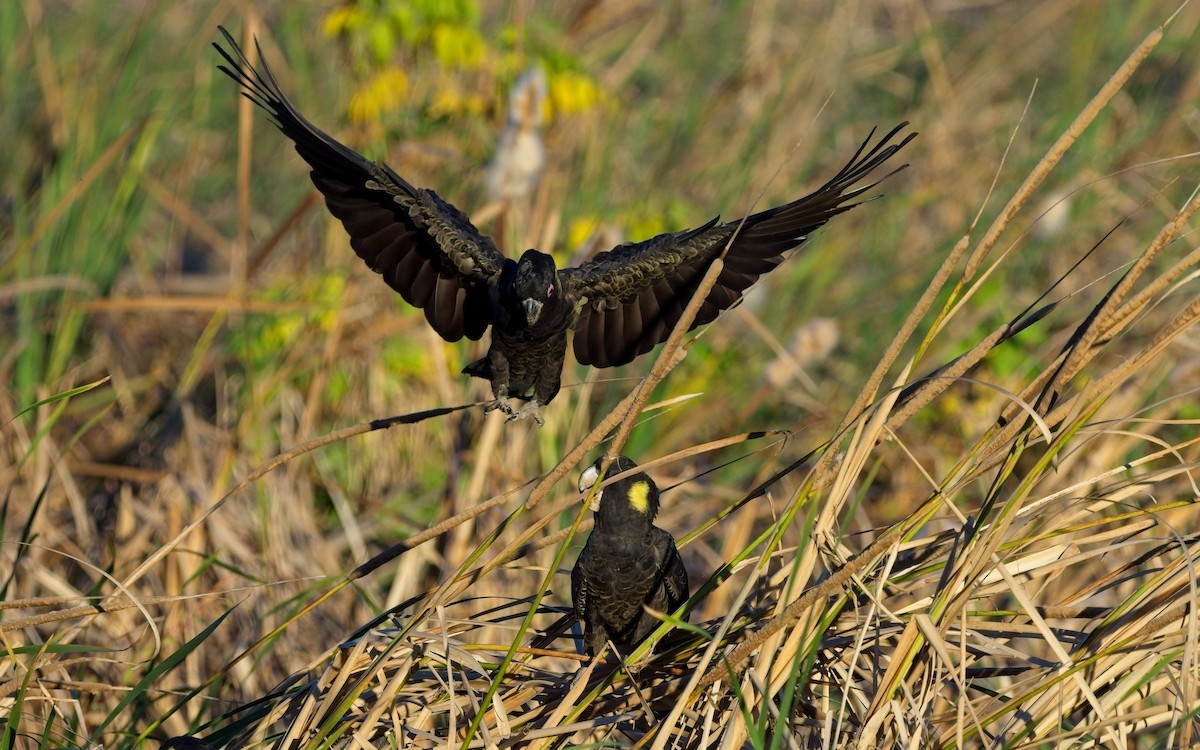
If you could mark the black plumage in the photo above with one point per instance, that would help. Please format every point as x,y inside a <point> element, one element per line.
<point>627,564</point>
<point>620,304</point>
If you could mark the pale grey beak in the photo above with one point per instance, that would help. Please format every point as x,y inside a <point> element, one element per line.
<point>533,310</point>
<point>587,480</point>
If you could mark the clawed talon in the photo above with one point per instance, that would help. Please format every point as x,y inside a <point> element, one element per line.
<point>500,403</point>
<point>530,409</point>
<point>417,242</point>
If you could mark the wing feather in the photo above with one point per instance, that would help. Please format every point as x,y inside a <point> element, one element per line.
<point>652,319</point>
<point>425,248</point>
<point>579,587</point>
<point>424,281</point>
<point>646,285</point>
<point>447,302</point>
<point>675,580</point>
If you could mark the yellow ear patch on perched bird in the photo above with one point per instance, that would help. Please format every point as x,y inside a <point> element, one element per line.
<point>639,497</point>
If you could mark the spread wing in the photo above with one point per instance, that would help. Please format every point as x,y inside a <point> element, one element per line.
<point>634,294</point>
<point>425,248</point>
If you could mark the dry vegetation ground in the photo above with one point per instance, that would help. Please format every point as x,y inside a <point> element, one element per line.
<point>935,484</point>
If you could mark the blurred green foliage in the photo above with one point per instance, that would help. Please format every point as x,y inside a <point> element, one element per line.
<point>258,340</point>
<point>384,38</point>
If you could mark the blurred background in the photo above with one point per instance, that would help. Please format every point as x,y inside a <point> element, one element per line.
<point>160,241</point>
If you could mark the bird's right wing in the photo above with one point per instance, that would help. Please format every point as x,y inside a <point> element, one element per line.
<point>579,588</point>
<point>425,248</point>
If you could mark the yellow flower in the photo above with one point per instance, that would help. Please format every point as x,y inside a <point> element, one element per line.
<point>573,93</point>
<point>447,102</point>
<point>383,93</point>
<point>363,107</point>
<point>580,229</point>
<point>281,331</point>
<point>642,226</point>
<point>343,19</point>
<point>458,46</point>
<point>450,102</point>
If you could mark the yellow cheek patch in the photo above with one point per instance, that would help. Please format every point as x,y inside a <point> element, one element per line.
<point>639,497</point>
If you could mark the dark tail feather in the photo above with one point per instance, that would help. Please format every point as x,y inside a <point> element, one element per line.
<point>556,629</point>
<point>479,369</point>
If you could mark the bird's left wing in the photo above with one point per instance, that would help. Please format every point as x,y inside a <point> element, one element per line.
<point>675,577</point>
<point>633,295</point>
<point>425,248</point>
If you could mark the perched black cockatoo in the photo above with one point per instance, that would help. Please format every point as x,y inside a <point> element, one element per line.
<point>620,304</point>
<point>627,564</point>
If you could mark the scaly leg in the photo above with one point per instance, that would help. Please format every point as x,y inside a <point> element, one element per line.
<point>499,366</point>
<point>530,409</point>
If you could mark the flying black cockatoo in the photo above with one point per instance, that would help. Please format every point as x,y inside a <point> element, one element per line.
<point>620,304</point>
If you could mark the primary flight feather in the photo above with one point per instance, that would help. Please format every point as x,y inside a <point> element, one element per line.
<point>620,304</point>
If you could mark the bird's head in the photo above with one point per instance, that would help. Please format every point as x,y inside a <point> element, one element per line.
<point>535,283</point>
<point>631,500</point>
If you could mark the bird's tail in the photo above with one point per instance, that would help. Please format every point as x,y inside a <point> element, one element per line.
<point>556,629</point>
<point>479,369</point>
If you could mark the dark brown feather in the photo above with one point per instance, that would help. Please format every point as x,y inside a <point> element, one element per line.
<point>425,248</point>
<point>621,304</point>
<point>641,289</point>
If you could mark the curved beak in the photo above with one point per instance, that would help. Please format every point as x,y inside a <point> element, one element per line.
<point>533,310</point>
<point>587,480</point>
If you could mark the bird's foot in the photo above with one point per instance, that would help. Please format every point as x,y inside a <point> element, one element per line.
<point>501,403</point>
<point>530,409</point>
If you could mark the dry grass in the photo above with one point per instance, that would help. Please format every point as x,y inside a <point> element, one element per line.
<point>970,524</point>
